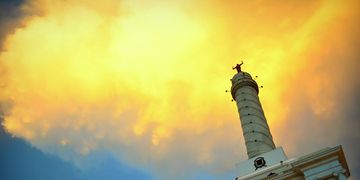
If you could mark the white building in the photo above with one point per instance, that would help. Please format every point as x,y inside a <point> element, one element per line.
<point>265,160</point>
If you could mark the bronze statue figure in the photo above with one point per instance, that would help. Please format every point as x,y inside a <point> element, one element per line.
<point>238,67</point>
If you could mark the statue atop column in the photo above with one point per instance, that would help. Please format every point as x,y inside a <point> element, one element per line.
<point>238,67</point>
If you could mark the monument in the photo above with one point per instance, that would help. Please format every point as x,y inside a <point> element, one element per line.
<point>265,160</point>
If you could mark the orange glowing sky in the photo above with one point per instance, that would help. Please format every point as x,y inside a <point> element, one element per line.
<point>146,80</point>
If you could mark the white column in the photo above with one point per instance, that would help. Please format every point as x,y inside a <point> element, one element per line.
<point>256,131</point>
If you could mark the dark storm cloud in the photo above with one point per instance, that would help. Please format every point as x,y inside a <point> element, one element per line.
<point>10,16</point>
<point>350,138</point>
<point>325,100</point>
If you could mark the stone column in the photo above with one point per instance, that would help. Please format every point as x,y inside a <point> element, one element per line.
<point>256,131</point>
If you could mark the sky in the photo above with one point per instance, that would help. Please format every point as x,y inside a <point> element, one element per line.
<point>130,89</point>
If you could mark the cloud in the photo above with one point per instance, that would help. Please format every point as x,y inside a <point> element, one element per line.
<point>21,161</point>
<point>146,80</point>
<point>10,17</point>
